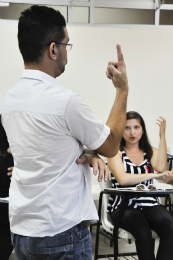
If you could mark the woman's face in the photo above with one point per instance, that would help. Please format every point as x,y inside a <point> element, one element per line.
<point>133,131</point>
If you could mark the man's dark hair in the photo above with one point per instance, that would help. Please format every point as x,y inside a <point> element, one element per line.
<point>144,143</point>
<point>39,25</point>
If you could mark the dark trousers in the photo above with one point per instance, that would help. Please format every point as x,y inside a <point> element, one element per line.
<point>140,222</point>
<point>5,236</point>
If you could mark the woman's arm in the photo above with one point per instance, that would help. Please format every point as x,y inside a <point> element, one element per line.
<point>117,168</point>
<point>159,158</point>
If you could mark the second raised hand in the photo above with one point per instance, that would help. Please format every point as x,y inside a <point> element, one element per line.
<point>116,71</point>
<point>161,122</point>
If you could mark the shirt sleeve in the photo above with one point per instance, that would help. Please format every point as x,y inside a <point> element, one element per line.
<point>83,124</point>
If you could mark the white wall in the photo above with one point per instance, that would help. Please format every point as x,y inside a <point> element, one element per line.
<point>13,11</point>
<point>124,16</point>
<point>148,53</point>
<point>101,15</point>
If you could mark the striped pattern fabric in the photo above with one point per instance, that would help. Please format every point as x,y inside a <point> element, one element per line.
<point>145,167</point>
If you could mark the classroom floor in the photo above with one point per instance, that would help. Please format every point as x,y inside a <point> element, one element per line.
<point>11,257</point>
<point>104,247</point>
<point>123,246</point>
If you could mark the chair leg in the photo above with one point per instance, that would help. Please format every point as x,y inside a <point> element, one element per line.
<point>98,227</point>
<point>154,243</point>
<point>91,229</point>
<point>115,244</point>
<point>111,244</point>
<point>97,242</point>
<point>168,199</point>
<point>169,203</point>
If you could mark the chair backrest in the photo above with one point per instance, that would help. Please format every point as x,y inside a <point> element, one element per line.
<point>170,156</point>
<point>106,219</point>
<point>170,148</point>
<point>95,187</point>
<point>161,184</point>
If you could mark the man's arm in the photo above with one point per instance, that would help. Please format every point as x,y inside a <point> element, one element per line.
<point>90,131</point>
<point>117,118</point>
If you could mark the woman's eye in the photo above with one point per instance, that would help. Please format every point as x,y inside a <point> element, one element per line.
<point>136,126</point>
<point>127,127</point>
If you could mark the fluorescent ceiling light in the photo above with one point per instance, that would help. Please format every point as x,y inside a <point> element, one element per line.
<point>4,4</point>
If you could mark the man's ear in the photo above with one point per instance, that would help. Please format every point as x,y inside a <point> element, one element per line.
<point>52,51</point>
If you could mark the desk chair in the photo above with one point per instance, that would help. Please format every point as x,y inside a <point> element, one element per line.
<point>170,163</point>
<point>107,226</point>
<point>95,192</point>
<point>162,185</point>
<point>95,187</point>
<point>170,148</point>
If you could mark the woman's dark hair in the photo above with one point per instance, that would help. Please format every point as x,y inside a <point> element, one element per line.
<point>38,26</point>
<point>144,143</point>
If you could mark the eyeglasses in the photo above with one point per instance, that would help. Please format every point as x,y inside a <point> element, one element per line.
<point>67,45</point>
<point>150,187</point>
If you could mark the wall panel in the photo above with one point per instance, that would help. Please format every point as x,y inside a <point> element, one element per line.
<point>148,53</point>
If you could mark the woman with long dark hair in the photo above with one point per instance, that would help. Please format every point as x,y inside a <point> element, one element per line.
<point>135,164</point>
<point>6,163</point>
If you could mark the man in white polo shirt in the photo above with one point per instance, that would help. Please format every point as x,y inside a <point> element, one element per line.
<point>47,126</point>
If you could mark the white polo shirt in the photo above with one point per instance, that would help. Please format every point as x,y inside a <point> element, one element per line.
<point>47,127</point>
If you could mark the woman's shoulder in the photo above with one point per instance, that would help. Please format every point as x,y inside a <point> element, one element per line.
<point>120,153</point>
<point>116,157</point>
<point>154,149</point>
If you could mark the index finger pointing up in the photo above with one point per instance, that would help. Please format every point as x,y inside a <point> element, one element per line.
<point>119,53</point>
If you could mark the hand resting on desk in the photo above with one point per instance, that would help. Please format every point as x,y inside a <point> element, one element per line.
<point>165,176</point>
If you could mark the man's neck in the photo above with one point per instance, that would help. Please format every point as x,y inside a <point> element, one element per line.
<point>42,67</point>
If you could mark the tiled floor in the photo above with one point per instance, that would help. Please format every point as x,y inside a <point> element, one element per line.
<point>104,247</point>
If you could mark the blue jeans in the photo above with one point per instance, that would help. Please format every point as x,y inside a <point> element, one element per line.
<point>74,243</point>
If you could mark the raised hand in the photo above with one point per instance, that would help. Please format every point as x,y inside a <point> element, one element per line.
<point>161,122</point>
<point>116,71</point>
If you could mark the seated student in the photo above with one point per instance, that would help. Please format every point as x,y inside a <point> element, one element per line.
<point>6,163</point>
<point>135,163</point>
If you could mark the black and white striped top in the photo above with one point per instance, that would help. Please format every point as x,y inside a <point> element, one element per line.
<point>144,167</point>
